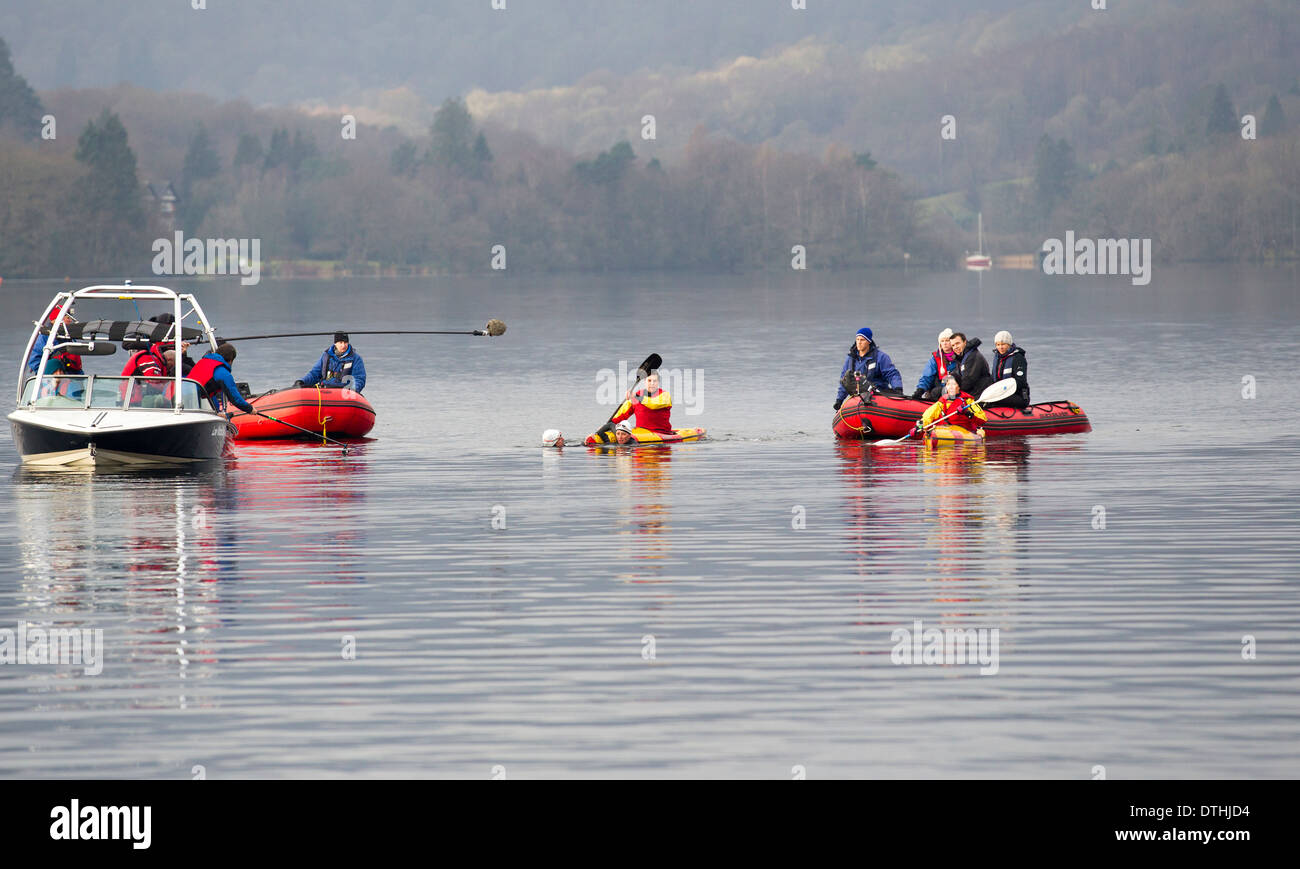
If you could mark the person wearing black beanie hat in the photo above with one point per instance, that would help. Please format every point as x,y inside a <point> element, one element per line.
<point>339,367</point>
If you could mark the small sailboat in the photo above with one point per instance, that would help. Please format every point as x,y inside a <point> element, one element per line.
<point>979,261</point>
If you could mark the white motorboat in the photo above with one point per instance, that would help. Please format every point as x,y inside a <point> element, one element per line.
<point>91,420</point>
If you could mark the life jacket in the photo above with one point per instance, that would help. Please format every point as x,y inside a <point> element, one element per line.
<point>940,365</point>
<point>652,412</point>
<point>949,405</point>
<point>69,363</point>
<point>336,368</point>
<point>1004,366</point>
<point>146,363</point>
<point>204,373</point>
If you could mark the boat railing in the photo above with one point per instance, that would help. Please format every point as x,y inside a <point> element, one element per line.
<point>104,392</point>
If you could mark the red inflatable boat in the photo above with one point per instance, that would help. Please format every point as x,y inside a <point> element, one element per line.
<point>866,417</point>
<point>332,412</point>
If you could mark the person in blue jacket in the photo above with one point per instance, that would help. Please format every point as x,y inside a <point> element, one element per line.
<point>870,366</point>
<point>213,375</point>
<point>59,363</point>
<point>340,367</point>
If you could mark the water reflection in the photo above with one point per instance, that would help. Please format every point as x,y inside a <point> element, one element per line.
<point>970,501</point>
<point>644,476</point>
<point>140,549</point>
<point>157,559</point>
<point>321,491</point>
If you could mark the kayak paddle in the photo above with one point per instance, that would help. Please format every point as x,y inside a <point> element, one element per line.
<point>996,392</point>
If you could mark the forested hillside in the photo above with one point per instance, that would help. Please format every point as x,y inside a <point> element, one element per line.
<point>832,134</point>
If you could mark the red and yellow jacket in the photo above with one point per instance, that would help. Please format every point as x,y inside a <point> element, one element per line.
<point>969,420</point>
<point>652,412</point>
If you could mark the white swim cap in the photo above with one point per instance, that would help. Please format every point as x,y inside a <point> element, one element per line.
<point>550,437</point>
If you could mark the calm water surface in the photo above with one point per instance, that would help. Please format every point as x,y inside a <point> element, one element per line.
<point>768,567</point>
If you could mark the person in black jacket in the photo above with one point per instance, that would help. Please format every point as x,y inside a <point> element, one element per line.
<point>1009,361</point>
<point>971,368</point>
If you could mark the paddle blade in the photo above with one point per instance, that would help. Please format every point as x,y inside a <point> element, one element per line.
<point>496,327</point>
<point>651,363</point>
<point>998,391</point>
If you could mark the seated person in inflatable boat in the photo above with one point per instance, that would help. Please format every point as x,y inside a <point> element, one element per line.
<point>339,367</point>
<point>867,366</point>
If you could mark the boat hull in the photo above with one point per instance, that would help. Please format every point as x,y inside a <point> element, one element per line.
<point>885,416</point>
<point>58,439</point>
<point>332,412</point>
<point>642,436</point>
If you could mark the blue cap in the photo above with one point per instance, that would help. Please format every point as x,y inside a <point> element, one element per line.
<point>865,333</point>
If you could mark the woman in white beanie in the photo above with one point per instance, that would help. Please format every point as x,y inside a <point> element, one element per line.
<point>936,370</point>
<point>1009,361</point>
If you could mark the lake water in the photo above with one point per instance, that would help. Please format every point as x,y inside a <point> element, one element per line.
<point>726,608</point>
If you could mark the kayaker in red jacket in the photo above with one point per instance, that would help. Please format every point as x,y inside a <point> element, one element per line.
<point>968,414</point>
<point>651,405</point>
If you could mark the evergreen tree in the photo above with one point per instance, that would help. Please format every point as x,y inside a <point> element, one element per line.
<point>1055,172</point>
<point>482,153</point>
<point>1274,120</point>
<point>111,186</point>
<point>1222,117</point>
<point>404,162</point>
<point>609,167</point>
<point>201,160</point>
<point>112,220</point>
<point>277,154</point>
<point>302,151</point>
<point>20,108</point>
<point>248,152</point>
<point>452,138</point>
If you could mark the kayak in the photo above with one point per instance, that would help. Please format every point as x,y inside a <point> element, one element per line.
<point>642,436</point>
<point>953,435</point>
<point>331,412</point>
<point>887,416</point>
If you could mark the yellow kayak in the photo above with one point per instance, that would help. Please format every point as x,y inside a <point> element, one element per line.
<point>645,436</point>
<point>953,435</point>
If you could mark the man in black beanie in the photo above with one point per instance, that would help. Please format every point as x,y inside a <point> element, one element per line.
<point>339,367</point>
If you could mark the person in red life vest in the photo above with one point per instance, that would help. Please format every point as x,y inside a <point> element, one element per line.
<point>930,386</point>
<point>216,382</point>
<point>1009,361</point>
<point>165,347</point>
<point>145,363</point>
<point>967,415</point>
<point>651,405</point>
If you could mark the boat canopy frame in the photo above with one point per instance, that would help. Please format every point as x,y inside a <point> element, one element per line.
<point>113,292</point>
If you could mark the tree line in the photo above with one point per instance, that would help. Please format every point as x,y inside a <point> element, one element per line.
<point>444,201</point>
